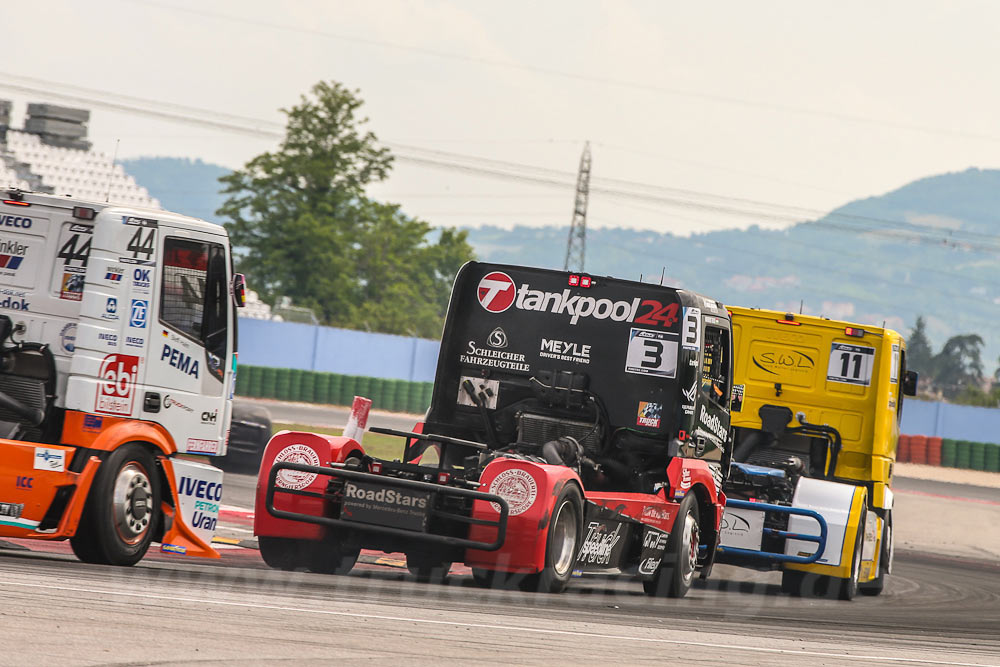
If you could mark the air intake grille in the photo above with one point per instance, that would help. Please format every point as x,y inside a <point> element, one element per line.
<point>538,430</point>
<point>29,391</point>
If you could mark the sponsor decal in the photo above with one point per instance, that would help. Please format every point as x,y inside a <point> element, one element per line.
<point>53,460</point>
<point>294,479</point>
<point>200,488</point>
<point>599,544</point>
<point>497,338</point>
<point>182,362</point>
<point>654,539</point>
<point>15,303</point>
<point>116,384</point>
<point>110,309</point>
<point>565,351</point>
<point>16,221</point>
<point>491,389</point>
<point>209,417</point>
<point>134,341</point>
<point>386,496</point>
<point>649,566</point>
<point>713,423</point>
<point>496,292</point>
<point>736,402</point>
<point>482,356</point>
<point>137,314</point>
<point>649,414</point>
<point>12,510</point>
<point>138,222</point>
<point>776,362</point>
<point>173,549</point>
<point>742,528</point>
<point>894,368</point>
<point>93,423</point>
<point>109,339</point>
<point>655,513</point>
<point>685,479</point>
<point>651,353</point>
<point>24,482</point>
<point>202,446</point>
<point>517,487</point>
<point>114,274</point>
<point>72,286</point>
<point>12,253</point>
<point>689,396</point>
<point>141,279</point>
<point>169,401</point>
<point>67,338</point>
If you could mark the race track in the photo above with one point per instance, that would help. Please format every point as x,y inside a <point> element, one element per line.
<point>168,610</point>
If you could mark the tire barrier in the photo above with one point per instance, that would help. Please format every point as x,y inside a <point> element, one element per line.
<point>918,449</point>
<point>287,384</point>
<point>934,444</point>
<point>903,449</point>
<point>947,453</point>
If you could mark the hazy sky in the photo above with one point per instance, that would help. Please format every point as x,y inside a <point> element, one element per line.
<point>799,105</point>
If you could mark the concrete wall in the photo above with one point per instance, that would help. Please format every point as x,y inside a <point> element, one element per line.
<point>313,348</point>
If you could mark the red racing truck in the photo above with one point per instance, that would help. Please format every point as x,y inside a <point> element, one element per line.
<point>581,423</point>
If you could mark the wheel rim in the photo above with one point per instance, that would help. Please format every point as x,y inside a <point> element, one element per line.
<point>131,503</point>
<point>564,538</point>
<point>689,548</point>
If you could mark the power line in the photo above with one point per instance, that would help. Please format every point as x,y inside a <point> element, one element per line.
<point>604,81</point>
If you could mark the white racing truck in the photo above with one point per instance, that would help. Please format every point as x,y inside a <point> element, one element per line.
<point>117,355</point>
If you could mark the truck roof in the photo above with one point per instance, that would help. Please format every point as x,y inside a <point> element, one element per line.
<point>46,199</point>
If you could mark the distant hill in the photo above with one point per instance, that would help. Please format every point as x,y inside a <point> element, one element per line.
<point>186,186</point>
<point>928,248</point>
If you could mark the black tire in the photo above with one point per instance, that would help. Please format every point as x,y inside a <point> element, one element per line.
<point>848,588</point>
<point>427,569</point>
<point>792,582</point>
<point>488,578</point>
<point>676,572</point>
<point>562,544</point>
<point>122,509</point>
<point>319,556</point>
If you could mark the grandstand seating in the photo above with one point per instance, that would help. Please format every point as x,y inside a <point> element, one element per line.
<point>26,162</point>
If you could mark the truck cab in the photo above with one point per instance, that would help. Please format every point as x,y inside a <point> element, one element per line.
<point>581,423</point>
<point>816,408</point>
<point>118,346</point>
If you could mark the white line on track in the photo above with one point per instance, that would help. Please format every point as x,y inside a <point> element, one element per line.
<point>508,628</point>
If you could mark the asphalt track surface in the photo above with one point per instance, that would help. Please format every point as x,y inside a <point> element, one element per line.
<point>170,610</point>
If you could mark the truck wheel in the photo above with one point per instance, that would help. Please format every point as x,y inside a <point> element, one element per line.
<point>562,544</point>
<point>849,587</point>
<point>121,510</point>
<point>676,572</point>
<point>426,568</point>
<point>875,586</point>
<point>320,556</point>
<point>792,582</point>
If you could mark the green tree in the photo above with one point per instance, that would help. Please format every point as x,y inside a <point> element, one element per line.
<point>305,229</point>
<point>959,364</point>
<point>919,356</point>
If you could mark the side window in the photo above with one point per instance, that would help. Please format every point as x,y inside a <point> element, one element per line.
<point>715,364</point>
<point>182,298</point>
<point>194,295</point>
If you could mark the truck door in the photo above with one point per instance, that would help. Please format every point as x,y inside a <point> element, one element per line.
<point>712,419</point>
<point>190,336</point>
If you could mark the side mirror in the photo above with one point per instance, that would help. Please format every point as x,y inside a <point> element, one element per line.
<point>910,383</point>
<point>240,290</point>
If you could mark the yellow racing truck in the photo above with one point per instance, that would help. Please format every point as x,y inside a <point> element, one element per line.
<point>815,406</point>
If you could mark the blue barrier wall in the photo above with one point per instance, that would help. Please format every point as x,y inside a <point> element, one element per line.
<point>959,422</point>
<point>314,348</point>
<point>308,347</point>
